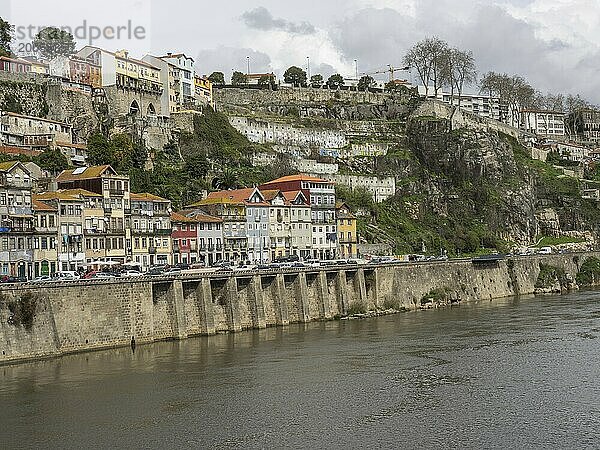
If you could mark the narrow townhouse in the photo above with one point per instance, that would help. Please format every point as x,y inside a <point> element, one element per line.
<point>151,230</point>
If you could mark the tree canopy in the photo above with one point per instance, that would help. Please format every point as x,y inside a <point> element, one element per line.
<point>239,78</point>
<point>5,37</point>
<point>427,58</point>
<point>366,82</point>
<point>335,81</point>
<point>217,78</point>
<point>52,42</point>
<point>316,80</point>
<point>295,76</point>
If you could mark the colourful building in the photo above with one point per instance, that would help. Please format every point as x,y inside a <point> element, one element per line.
<point>151,230</point>
<point>346,228</point>
<point>185,239</point>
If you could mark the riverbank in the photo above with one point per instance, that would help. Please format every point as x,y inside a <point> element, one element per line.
<point>40,321</point>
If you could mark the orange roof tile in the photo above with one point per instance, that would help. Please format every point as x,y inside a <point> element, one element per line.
<point>180,218</point>
<point>299,177</point>
<point>38,205</point>
<point>88,173</point>
<point>12,150</point>
<point>145,196</point>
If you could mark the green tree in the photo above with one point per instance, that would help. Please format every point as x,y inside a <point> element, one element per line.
<point>365,83</point>
<point>53,161</point>
<point>197,166</point>
<point>316,81</point>
<point>295,76</point>
<point>6,30</point>
<point>226,179</point>
<point>99,150</point>
<point>238,78</point>
<point>266,80</point>
<point>217,78</point>
<point>52,42</point>
<point>335,81</point>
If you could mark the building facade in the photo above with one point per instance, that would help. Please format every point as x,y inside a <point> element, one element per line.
<point>151,230</point>
<point>16,220</point>
<point>347,235</point>
<point>543,123</point>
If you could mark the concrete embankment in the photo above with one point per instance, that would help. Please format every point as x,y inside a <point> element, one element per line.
<point>38,321</point>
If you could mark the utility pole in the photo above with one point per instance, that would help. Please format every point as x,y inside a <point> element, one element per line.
<point>308,67</point>
<point>356,68</point>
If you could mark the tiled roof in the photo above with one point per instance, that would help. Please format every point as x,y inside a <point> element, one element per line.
<point>6,166</point>
<point>38,205</point>
<point>145,196</point>
<point>12,150</point>
<point>233,196</point>
<point>180,218</point>
<point>205,218</point>
<point>12,114</point>
<point>67,144</point>
<point>299,177</point>
<point>79,192</point>
<point>290,196</point>
<point>58,195</point>
<point>88,173</point>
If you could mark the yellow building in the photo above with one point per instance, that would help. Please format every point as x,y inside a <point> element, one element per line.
<point>347,236</point>
<point>203,91</point>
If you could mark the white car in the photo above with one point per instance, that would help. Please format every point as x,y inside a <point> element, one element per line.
<point>131,273</point>
<point>41,279</point>
<point>65,276</point>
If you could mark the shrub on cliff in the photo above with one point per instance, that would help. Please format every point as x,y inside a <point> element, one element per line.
<point>549,275</point>
<point>22,311</point>
<point>589,273</point>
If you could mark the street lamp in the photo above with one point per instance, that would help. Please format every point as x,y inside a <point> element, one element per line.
<point>356,68</point>
<point>308,66</point>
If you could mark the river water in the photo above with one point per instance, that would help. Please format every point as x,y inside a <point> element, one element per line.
<point>505,374</point>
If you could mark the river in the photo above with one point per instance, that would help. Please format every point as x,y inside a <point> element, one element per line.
<point>512,373</point>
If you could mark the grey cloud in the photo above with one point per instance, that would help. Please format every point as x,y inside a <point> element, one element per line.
<point>261,19</point>
<point>500,42</point>
<point>228,59</point>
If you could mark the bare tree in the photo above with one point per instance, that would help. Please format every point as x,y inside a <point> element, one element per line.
<point>514,91</point>
<point>458,68</point>
<point>427,58</point>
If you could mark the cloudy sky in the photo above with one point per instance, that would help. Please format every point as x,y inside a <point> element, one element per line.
<point>555,44</point>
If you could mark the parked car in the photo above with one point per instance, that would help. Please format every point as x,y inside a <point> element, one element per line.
<point>12,279</point>
<point>67,275</point>
<point>155,271</point>
<point>130,273</point>
<point>41,279</point>
<point>182,266</point>
<point>103,276</point>
<point>171,271</point>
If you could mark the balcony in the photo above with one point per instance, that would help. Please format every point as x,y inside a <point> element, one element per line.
<point>116,192</point>
<point>107,210</point>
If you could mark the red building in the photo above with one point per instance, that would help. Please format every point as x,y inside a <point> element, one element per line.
<point>185,239</point>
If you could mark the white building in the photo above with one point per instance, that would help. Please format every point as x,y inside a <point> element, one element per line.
<point>480,104</point>
<point>543,123</point>
<point>380,188</point>
<point>365,149</point>
<point>264,132</point>
<point>185,64</point>
<point>573,152</point>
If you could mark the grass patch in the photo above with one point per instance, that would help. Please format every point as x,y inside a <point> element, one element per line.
<point>549,241</point>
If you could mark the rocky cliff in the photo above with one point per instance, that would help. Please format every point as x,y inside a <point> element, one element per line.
<point>463,182</point>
